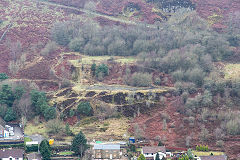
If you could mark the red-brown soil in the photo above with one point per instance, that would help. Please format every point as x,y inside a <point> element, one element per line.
<point>223,8</point>
<point>177,129</point>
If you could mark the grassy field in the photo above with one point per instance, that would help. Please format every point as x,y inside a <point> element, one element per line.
<point>103,130</point>
<point>232,71</point>
<point>100,59</point>
<point>32,129</point>
<point>66,153</point>
<point>199,153</point>
<point>27,139</point>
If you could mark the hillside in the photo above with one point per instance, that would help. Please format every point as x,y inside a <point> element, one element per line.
<point>157,70</point>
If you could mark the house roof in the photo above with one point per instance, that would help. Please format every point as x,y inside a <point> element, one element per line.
<point>154,149</point>
<point>34,156</point>
<point>222,157</point>
<point>107,146</point>
<point>15,153</point>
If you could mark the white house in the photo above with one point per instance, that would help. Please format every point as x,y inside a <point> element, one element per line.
<point>11,154</point>
<point>6,133</point>
<point>151,152</point>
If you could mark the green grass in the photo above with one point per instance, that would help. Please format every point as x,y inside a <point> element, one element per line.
<point>232,71</point>
<point>66,153</point>
<point>200,153</point>
<point>27,139</point>
<point>31,129</point>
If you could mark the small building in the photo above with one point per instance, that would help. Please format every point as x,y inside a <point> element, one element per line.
<point>107,151</point>
<point>6,133</point>
<point>220,157</point>
<point>11,154</point>
<point>131,140</point>
<point>34,156</point>
<point>150,152</point>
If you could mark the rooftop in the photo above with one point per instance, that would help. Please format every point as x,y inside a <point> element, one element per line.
<point>221,157</point>
<point>153,149</point>
<point>15,153</point>
<point>107,146</point>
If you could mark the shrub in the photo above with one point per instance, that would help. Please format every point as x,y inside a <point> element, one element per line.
<point>62,33</point>
<point>178,75</point>
<point>50,113</point>
<point>85,108</point>
<point>10,115</point>
<point>45,150</point>
<point>103,68</point>
<point>93,69</point>
<point>55,126</point>
<point>32,148</point>
<point>157,81</point>
<point>220,143</point>
<point>233,127</point>
<point>204,135</point>
<point>141,79</point>
<point>77,44</point>
<point>49,48</point>
<point>132,148</point>
<point>3,76</point>
<point>71,113</point>
<point>185,97</point>
<point>196,76</point>
<point>68,130</point>
<point>65,83</point>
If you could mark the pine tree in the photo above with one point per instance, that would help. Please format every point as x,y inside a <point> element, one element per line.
<point>68,130</point>
<point>79,144</point>
<point>45,150</point>
<point>157,157</point>
<point>197,148</point>
<point>207,148</point>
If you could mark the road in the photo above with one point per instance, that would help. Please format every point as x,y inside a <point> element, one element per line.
<point>36,137</point>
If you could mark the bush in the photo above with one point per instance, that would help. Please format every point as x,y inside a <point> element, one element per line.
<point>50,113</point>
<point>196,76</point>
<point>62,33</point>
<point>49,48</point>
<point>3,76</point>
<point>103,68</point>
<point>220,143</point>
<point>10,115</point>
<point>68,130</point>
<point>85,109</point>
<point>140,80</point>
<point>71,113</point>
<point>132,148</point>
<point>45,150</point>
<point>55,126</point>
<point>65,83</point>
<point>77,44</point>
<point>157,81</point>
<point>93,69</point>
<point>204,135</point>
<point>233,127</point>
<point>32,148</point>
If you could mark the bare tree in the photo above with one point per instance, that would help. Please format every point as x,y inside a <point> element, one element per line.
<point>188,140</point>
<point>138,132</point>
<point>15,50</point>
